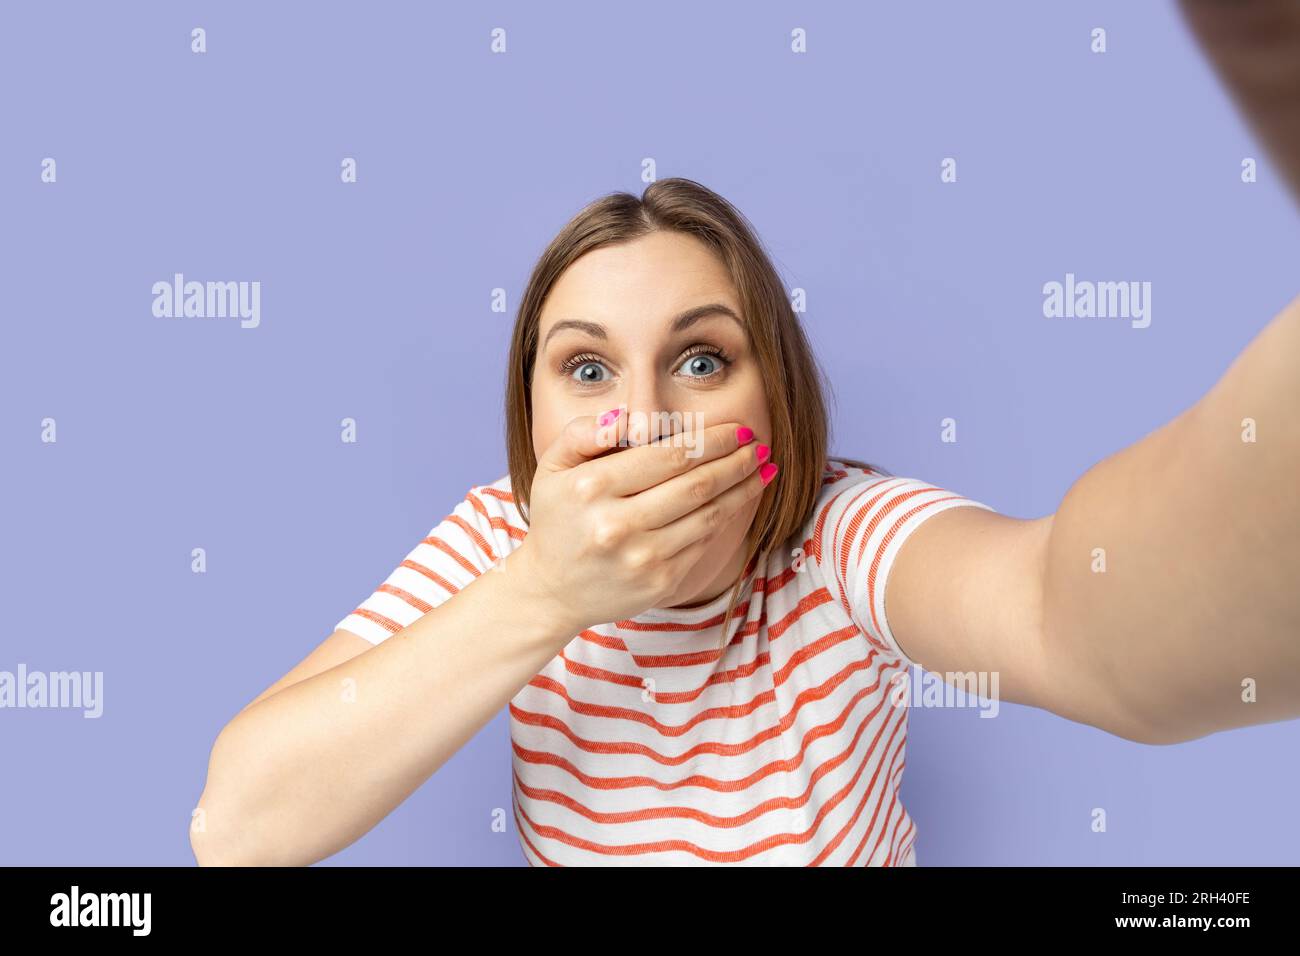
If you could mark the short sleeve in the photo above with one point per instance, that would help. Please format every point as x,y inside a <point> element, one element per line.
<point>472,539</point>
<point>860,530</point>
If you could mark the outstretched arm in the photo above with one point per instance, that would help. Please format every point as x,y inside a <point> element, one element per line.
<point>1172,569</point>
<point>1200,603</point>
<point>1162,601</point>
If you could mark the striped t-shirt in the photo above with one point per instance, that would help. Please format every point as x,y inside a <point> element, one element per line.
<point>639,744</point>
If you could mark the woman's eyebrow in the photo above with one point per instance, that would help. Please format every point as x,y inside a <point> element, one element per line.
<point>683,321</point>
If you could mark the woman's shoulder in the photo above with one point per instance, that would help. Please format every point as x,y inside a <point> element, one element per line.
<point>840,474</point>
<point>839,467</point>
<point>859,497</point>
<point>499,491</point>
<point>486,518</point>
<point>493,504</point>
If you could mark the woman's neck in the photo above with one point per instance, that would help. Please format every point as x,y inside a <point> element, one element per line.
<point>721,582</point>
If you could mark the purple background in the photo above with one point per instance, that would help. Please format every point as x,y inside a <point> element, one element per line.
<point>924,301</point>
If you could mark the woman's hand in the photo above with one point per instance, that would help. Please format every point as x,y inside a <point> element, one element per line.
<point>611,535</point>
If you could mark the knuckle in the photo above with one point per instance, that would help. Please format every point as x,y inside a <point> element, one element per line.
<point>663,581</point>
<point>678,457</point>
<point>639,559</point>
<point>587,487</point>
<point>701,488</point>
<point>606,534</point>
<point>714,518</point>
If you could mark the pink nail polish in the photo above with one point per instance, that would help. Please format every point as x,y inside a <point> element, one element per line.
<point>767,472</point>
<point>744,434</point>
<point>608,417</point>
<point>762,451</point>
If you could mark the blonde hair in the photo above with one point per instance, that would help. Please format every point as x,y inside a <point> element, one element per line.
<point>796,406</point>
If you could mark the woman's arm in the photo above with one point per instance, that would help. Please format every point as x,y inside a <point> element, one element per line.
<point>304,771</point>
<point>1202,601</point>
<point>1199,602</point>
<point>1165,586</point>
<point>329,750</point>
<point>1200,598</point>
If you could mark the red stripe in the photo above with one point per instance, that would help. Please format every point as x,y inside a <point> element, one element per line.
<point>889,857</point>
<point>499,523</point>
<point>640,716</point>
<point>690,813</point>
<point>880,552</point>
<point>806,604</point>
<point>433,576</point>
<point>729,856</point>
<point>907,849</point>
<point>591,672</point>
<point>424,607</point>
<point>903,842</point>
<point>474,535</point>
<point>514,800</point>
<point>900,723</point>
<point>386,623</point>
<point>856,516</point>
<point>880,832</point>
<point>547,758</point>
<point>497,493</point>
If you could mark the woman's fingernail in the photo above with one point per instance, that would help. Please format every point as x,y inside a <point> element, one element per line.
<point>762,451</point>
<point>767,472</point>
<point>744,434</point>
<point>608,417</point>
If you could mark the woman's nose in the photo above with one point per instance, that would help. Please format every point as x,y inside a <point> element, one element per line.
<point>648,418</point>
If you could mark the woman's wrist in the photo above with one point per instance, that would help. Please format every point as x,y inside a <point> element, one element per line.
<point>529,590</point>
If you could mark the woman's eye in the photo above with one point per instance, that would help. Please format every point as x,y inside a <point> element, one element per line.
<point>704,362</point>
<point>702,365</point>
<point>588,372</point>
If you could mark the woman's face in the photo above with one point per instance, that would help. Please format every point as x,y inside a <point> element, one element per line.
<point>667,380</point>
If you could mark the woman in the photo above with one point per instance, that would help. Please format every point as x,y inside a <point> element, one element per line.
<point>668,466</point>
